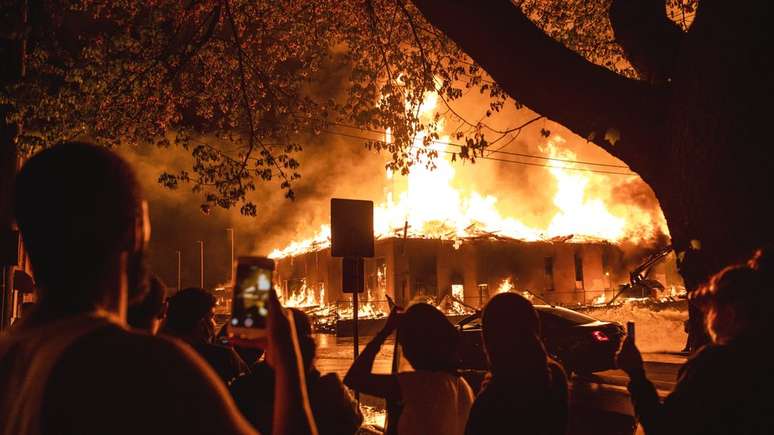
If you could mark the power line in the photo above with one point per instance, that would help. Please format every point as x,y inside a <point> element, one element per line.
<point>509,153</point>
<point>596,171</point>
<point>550,159</point>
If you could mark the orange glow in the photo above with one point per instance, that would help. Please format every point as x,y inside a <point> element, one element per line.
<point>428,204</point>
<point>305,297</point>
<point>506,286</point>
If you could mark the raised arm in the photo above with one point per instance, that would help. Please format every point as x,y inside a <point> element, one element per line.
<point>292,413</point>
<point>359,376</point>
<point>686,408</point>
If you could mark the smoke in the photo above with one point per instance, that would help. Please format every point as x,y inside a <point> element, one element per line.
<point>330,167</point>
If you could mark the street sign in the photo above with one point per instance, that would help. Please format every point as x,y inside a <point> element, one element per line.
<point>352,237</point>
<point>352,228</point>
<point>352,277</point>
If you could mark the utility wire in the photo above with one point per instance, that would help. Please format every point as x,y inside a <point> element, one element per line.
<point>596,171</point>
<point>498,151</point>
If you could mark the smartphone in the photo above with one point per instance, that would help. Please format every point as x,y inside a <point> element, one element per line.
<point>250,305</point>
<point>630,329</point>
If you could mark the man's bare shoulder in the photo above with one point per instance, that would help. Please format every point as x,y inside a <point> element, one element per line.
<point>113,373</point>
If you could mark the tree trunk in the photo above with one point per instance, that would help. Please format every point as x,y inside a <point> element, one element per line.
<point>697,142</point>
<point>720,158</point>
<point>700,140</point>
<point>649,38</point>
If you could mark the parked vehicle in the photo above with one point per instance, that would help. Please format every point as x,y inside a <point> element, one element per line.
<point>581,343</point>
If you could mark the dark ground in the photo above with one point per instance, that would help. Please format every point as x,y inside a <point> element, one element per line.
<point>599,402</point>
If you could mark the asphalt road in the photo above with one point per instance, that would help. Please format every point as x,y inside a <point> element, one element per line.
<point>599,402</point>
<point>336,355</point>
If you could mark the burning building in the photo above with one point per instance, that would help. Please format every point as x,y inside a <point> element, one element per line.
<point>558,271</point>
<point>438,239</point>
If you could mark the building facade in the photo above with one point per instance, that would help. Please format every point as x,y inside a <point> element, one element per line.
<point>562,272</point>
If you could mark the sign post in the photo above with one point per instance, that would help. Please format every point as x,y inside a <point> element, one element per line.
<point>352,238</point>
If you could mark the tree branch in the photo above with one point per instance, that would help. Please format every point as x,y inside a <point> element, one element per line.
<point>246,102</point>
<point>625,117</point>
<point>649,38</point>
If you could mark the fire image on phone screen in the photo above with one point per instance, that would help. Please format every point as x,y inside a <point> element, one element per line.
<point>251,294</point>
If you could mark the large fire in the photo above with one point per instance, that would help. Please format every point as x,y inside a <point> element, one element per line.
<point>426,204</point>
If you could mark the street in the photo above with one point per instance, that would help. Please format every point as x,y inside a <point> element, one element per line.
<point>599,402</point>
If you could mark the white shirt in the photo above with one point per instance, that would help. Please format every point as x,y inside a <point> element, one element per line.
<point>433,403</point>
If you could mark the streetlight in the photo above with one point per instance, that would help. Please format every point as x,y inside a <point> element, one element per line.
<point>230,231</point>
<point>179,263</point>
<point>201,263</point>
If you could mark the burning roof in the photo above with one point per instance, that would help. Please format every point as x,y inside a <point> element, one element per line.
<point>430,202</point>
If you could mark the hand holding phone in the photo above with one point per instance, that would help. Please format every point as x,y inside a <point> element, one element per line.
<point>250,305</point>
<point>629,358</point>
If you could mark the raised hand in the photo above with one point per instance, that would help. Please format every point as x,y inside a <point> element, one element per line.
<point>629,358</point>
<point>393,320</point>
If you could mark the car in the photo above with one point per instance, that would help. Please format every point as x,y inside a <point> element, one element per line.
<point>581,343</point>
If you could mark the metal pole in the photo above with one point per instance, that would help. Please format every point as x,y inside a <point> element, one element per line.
<point>201,263</point>
<point>231,265</point>
<point>5,317</point>
<point>355,336</point>
<point>179,269</point>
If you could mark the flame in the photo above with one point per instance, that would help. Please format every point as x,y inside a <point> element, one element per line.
<point>367,309</point>
<point>428,205</point>
<point>305,297</point>
<point>585,208</point>
<point>453,306</point>
<point>505,286</point>
<point>599,300</point>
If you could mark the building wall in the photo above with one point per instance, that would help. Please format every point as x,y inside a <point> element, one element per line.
<point>429,267</point>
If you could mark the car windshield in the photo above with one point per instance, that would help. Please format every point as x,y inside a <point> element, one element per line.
<point>573,317</point>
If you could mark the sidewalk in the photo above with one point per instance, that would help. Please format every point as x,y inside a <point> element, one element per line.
<point>677,358</point>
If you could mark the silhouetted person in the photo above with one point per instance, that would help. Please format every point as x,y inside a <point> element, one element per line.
<point>72,366</point>
<point>25,310</point>
<point>190,317</point>
<point>147,314</point>
<point>725,388</point>
<point>434,398</point>
<point>335,412</point>
<point>525,391</point>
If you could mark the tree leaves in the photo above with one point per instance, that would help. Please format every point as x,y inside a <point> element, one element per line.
<point>236,83</point>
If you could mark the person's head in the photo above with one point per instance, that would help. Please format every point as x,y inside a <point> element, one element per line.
<point>737,300</point>
<point>303,326</point>
<point>190,314</point>
<point>429,341</point>
<point>511,332</point>
<point>84,224</point>
<point>147,313</point>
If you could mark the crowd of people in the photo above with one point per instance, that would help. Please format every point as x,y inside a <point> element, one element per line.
<point>105,351</point>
